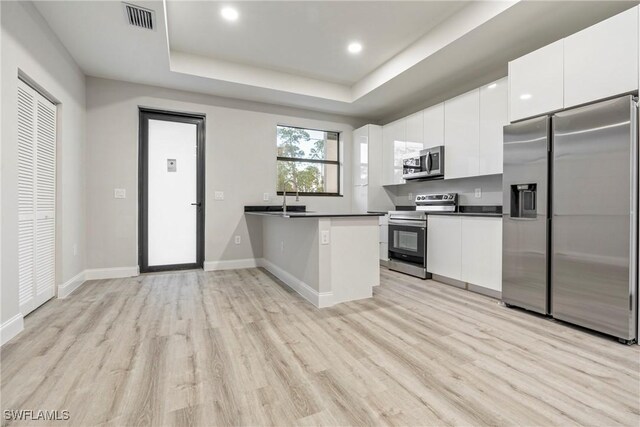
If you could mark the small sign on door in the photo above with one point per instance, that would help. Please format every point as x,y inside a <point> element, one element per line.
<point>171,165</point>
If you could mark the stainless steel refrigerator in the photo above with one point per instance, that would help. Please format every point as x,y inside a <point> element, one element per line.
<point>570,226</point>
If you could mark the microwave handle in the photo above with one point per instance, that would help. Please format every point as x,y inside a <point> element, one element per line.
<point>428,162</point>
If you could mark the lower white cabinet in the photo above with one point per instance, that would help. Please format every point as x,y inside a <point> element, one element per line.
<point>468,249</point>
<point>444,246</point>
<point>482,252</point>
<point>384,238</point>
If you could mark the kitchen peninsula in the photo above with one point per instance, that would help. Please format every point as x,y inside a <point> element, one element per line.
<point>328,258</point>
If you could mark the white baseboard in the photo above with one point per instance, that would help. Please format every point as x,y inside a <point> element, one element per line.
<point>71,285</point>
<point>230,265</point>
<point>111,273</point>
<point>319,299</point>
<point>11,328</point>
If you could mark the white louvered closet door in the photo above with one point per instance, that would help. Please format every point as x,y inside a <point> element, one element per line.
<point>36,198</point>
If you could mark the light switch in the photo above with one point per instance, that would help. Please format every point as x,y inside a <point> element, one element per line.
<point>324,237</point>
<point>119,193</point>
<point>219,195</point>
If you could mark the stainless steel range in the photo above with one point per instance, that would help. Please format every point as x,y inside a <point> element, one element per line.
<point>408,233</point>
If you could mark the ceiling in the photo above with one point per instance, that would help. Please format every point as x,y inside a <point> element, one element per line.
<point>304,38</point>
<point>294,53</point>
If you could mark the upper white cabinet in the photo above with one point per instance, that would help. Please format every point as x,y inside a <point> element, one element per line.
<point>433,126</point>
<point>602,60</point>
<point>482,252</point>
<point>361,156</point>
<point>596,63</point>
<point>494,115</point>
<point>469,126</point>
<point>462,135</point>
<point>536,82</point>
<point>393,149</point>
<point>414,132</point>
<point>368,194</point>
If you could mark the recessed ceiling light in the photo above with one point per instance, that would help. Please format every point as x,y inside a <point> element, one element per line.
<point>229,13</point>
<point>354,47</point>
<point>492,86</point>
<point>525,96</point>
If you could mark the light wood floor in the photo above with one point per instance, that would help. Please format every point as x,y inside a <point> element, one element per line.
<point>237,348</point>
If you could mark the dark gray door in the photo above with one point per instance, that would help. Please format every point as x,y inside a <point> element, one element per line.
<point>525,215</point>
<point>593,229</point>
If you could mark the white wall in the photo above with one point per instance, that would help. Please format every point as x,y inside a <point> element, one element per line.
<point>490,185</point>
<point>240,160</point>
<point>29,45</point>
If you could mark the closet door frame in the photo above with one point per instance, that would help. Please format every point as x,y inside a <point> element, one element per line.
<point>43,138</point>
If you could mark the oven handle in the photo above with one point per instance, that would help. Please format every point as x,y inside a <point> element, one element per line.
<point>408,222</point>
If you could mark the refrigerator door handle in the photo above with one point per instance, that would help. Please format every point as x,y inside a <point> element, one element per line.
<point>633,273</point>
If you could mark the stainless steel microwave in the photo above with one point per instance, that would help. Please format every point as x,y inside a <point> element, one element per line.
<point>425,164</point>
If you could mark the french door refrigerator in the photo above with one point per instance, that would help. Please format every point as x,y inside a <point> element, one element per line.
<point>570,224</point>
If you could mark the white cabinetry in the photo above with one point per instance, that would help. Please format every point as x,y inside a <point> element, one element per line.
<point>596,63</point>
<point>433,126</point>
<point>494,115</point>
<point>482,252</point>
<point>462,135</point>
<point>468,249</point>
<point>368,194</point>
<point>602,60</point>
<point>402,137</point>
<point>444,246</point>
<point>414,133</point>
<point>536,82</point>
<point>393,146</point>
<point>384,237</point>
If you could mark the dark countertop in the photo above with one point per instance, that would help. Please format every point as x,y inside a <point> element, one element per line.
<point>291,214</point>
<point>300,211</point>
<point>494,211</point>
<point>487,214</point>
<point>275,208</point>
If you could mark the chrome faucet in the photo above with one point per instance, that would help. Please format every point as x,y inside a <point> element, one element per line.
<point>284,195</point>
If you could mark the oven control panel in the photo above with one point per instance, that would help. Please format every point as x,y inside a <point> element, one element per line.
<point>437,202</point>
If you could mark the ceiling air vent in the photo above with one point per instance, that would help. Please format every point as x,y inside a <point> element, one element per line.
<point>139,16</point>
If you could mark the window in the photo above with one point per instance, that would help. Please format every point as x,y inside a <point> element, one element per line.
<point>308,161</point>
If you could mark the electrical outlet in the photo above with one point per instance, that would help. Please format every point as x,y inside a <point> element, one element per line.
<point>410,197</point>
<point>238,239</point>
<point>324,237</point>
<point>119,193</point>
<point>478,193</point>
<point>219,195</point>
<point>265,197</point>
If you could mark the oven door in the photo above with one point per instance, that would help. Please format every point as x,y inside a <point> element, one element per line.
<point>407,241</point>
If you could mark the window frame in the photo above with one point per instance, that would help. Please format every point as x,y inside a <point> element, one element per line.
<point>325,162</point>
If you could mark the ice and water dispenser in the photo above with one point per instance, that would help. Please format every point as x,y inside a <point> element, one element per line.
<point>523,200</point>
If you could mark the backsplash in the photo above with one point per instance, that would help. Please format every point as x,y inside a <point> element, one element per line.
<point>490,187</point>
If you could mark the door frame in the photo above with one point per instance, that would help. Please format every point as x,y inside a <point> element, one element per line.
<point>145,114</point>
